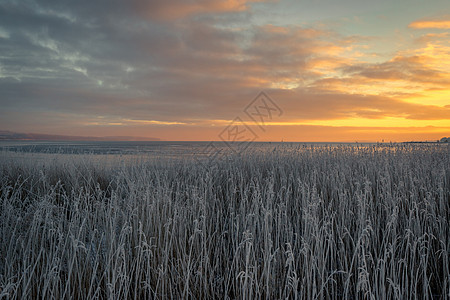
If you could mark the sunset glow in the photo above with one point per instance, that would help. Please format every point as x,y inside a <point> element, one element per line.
<point>183,70</point>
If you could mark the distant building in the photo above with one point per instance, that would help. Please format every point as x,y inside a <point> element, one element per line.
<point>445,140</point>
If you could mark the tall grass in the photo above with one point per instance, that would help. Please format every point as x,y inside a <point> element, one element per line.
<point>306,222</point>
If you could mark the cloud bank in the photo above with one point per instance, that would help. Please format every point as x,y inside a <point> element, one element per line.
<point>106,67</point>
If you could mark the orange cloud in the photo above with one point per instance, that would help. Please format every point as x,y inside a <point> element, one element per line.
<point>196,72</point>
<point>431,24</point>
<point>163,9</point>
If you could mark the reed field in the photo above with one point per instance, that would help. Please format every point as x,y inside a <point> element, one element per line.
<point>296,222</point>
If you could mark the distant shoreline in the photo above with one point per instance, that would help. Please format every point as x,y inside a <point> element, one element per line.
<point>423,142</point>
<point>17,136</point>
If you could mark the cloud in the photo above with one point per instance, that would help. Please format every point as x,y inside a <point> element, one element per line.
<point>151,64</point>
<point>431,24</point>
<point>309,105</point>
<point>406,68</point>
<point>162,9</point>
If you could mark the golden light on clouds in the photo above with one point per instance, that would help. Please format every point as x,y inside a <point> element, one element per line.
<point>440,97</point>
<point>177,70</point>
<point>386,122</point>
<point>438,24</point>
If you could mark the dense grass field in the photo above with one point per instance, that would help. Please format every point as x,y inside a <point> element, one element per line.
<point>305,222</point>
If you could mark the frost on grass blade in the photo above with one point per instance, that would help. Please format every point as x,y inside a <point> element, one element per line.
<point>294,223</point>
<point>210,153</point>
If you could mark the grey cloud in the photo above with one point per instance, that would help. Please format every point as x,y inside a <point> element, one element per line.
<point>107,58</point>
<point>410,68</point>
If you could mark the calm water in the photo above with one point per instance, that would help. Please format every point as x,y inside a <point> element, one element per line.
<point>157,148</point>
<point>114,153</point>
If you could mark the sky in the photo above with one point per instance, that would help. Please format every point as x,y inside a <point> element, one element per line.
<point>306,70</point>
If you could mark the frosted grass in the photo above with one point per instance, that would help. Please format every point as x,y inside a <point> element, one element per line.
<point>300,222</point>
